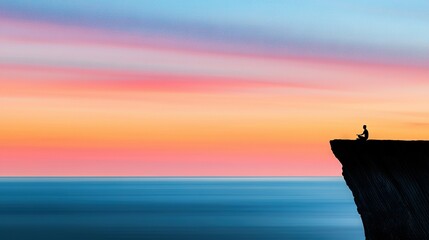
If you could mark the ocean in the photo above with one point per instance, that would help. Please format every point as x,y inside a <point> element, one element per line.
<point>178,208</point>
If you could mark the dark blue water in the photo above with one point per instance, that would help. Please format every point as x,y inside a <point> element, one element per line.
<point>177,208</point>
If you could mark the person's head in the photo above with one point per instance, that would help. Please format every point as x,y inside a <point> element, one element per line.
<point>364,126</point>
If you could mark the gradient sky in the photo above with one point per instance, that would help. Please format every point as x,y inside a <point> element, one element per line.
<point>205,88</point>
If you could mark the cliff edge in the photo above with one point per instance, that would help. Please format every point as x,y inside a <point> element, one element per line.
<point>390,184</point>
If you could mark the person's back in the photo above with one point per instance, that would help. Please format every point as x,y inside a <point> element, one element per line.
<point>365,134</point>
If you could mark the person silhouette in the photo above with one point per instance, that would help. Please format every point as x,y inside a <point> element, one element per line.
<point>364,136</point>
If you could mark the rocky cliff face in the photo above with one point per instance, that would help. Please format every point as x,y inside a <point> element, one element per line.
<point>390,184</point>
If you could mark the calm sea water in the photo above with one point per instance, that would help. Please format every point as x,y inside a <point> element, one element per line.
<point>177,208</point>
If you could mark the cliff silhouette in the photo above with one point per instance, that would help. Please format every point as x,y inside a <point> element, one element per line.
<point>389,180</point>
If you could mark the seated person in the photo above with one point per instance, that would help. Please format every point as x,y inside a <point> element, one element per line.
<point>364,136</point>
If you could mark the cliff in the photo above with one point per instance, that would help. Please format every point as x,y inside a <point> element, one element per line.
<point>390,184</point>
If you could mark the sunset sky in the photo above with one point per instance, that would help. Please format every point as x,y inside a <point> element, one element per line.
<point>205,88</point>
